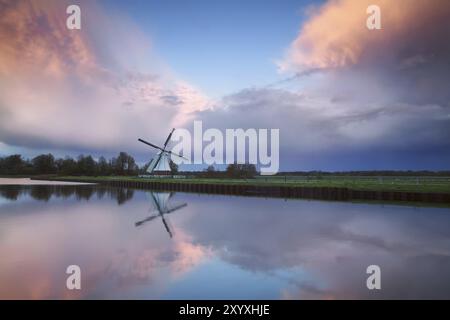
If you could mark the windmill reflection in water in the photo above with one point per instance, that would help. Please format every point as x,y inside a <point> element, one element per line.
<point>160,204</point>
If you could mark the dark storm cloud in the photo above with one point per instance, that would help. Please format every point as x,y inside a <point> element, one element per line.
<point>318,126</point>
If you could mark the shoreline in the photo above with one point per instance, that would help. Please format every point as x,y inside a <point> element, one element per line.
<point>251,188</point>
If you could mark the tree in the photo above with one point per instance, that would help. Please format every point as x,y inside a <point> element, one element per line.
<point>103,167</point>
<point>231,170</point>
<point>44,164</point>
<point>249,170</point>
<point>124,164</point>
<point>210,172</point>
<point>131,165</point>
<point>66,166</point>
<point>90,166</point>
<point>241,170</point>
<point>121,162</point>
<point>173,167</point>
<point>86,165</point>
<point>12,164</point>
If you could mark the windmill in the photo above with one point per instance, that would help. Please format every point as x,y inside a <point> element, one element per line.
<point>160,164</point>
<point>160,201</point>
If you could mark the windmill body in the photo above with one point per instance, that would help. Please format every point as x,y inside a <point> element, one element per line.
<point>162,166</point>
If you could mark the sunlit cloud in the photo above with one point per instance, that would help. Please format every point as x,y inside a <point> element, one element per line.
<point>118,259</point>
<point>335,35</point>
<point>70,89</point>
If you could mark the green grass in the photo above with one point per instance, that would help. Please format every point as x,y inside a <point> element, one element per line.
<point>404,184</point>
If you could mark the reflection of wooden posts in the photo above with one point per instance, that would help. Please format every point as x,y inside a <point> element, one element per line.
<point>286,190</point>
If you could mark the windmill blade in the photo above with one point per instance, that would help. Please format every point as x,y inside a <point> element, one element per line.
<point>151,144</point>
<point>154,162</point>
<point>157,161</point>
<point>148,166</point>
<point>175,154</point>
<point>151,166</point>
<point>176,208</point>
<point>137,224</point>
<point>167,226</point>
<point>168,138</point>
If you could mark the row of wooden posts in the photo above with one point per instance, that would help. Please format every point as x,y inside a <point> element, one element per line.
<point>325,193</point>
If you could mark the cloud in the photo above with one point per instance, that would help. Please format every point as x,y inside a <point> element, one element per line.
<point>322,249</point>
<point>409,53</point>
<point>319,126</point>
<point>116,258</point>
<point>357,98</point>
<point>83,90</point>
<point>335,35</point>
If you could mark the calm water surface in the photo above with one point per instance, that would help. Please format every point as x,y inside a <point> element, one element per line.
<point>150,245</point>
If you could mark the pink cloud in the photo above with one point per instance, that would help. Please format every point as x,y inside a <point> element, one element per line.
<point>335,35</point>
<point>83,89</point>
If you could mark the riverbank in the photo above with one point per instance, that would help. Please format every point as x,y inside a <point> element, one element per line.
<point>326,189</point>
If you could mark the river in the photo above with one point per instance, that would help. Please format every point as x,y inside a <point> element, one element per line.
<point>158,245</point>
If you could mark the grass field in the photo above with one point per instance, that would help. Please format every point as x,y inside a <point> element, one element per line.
<point>372,183</point>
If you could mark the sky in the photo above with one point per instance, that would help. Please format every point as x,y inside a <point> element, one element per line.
<point>344,97</point>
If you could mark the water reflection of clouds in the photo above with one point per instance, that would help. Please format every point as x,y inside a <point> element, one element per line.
<point>101,238</point>
<point>334,242</point>
<point>4,201</point>
<point>275,248</point>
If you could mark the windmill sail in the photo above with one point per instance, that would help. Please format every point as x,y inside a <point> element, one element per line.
<point>151,165</point>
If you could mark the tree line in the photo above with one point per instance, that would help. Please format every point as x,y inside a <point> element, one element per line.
<point>123,164</point>
<point>233,171</point>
